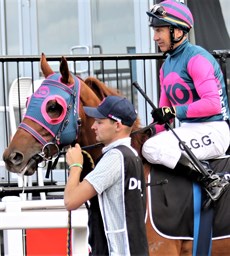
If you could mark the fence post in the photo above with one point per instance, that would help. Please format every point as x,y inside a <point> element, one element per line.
<point>12,238</point>
<point>79,242</point>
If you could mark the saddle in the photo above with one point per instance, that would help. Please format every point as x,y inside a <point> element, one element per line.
<point>174,202</point>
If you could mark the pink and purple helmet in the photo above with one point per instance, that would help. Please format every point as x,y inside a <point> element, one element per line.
<point>171,12</point>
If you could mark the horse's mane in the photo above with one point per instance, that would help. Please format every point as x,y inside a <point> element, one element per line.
<point>102,90</point>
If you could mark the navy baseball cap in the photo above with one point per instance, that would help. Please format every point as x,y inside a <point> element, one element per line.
<point>116,108</point>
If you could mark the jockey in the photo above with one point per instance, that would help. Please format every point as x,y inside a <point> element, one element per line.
<point>193,91</point>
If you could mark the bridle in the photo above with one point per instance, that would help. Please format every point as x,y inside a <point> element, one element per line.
<point>64,129</point>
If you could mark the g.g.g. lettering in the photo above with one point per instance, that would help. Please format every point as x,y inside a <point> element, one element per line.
<point>195,143</point>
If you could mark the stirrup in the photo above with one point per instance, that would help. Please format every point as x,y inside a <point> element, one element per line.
<point>216,188</point>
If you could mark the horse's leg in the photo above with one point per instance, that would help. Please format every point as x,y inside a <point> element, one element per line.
<point>221,247</point>
<point>186,248</point>
<point>160,246</point>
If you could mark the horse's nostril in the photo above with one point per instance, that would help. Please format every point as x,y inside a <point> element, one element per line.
<point>16,158</point>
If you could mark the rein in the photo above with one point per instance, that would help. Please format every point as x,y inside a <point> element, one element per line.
<point>52,165</point>
<point>51,151</point>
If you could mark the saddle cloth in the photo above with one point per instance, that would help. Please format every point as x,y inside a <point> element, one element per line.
<point>171,200</point>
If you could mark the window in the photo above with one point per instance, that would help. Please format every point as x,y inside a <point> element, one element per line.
<point>57,26</point>
<point>113,25</point>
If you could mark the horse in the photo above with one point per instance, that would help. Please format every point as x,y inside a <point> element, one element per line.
<point>55,119</point>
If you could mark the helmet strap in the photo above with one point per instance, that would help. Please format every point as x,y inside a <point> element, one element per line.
<point>172,38</point>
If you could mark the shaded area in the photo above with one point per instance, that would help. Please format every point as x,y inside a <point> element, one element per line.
<point>210,29</point>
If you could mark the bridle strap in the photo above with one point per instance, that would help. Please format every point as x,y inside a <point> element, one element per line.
<point>65,122</point>
<point>35,134</point>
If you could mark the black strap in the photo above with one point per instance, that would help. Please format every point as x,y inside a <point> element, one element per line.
<point>97,239</point>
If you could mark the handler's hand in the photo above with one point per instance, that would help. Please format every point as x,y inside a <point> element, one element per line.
<point>74,155</point>
<point>163,115</point>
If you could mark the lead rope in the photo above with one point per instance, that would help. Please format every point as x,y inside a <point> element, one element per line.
<point>69,231</point>
<point>69,235</point>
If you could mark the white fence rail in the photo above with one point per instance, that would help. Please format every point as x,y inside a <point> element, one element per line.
<point>16,215</point>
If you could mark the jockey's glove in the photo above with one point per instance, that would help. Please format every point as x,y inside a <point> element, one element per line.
<point>163,115</point>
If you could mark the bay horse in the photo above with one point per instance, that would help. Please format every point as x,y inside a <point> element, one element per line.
<point>55,118</point>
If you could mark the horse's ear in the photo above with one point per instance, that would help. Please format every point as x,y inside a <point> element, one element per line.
<point>45,67</point>
<point>64,70</point>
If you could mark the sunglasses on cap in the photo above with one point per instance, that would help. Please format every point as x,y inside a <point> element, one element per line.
<point>158,10</point>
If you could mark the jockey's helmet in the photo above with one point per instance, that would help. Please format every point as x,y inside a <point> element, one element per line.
<point>171,13</point>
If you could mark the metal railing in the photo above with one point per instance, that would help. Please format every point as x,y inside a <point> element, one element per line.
<point>117,71</point>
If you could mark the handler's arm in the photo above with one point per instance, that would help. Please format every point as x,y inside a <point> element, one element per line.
<point>76,192</point>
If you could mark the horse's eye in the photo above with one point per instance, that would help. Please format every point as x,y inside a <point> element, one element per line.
<point>54,109</point>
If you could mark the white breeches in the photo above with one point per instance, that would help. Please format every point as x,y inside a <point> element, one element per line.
<point>206,140</point>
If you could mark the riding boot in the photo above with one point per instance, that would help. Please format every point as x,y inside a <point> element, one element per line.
<point>213,184</point>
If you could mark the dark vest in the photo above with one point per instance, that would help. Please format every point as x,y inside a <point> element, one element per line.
<point>134,216</point>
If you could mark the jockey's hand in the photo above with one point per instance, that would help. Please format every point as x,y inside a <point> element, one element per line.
<point>163,115</point>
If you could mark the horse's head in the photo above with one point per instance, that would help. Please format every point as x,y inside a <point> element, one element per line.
<point>51,120</point>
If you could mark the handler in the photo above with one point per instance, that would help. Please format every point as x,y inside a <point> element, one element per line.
<point>193,90</point>
<point>117,179</point>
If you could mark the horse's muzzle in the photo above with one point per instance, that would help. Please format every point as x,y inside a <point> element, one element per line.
<point>32,165</point>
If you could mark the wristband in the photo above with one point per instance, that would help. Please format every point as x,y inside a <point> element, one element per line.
<point>77,165</point>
